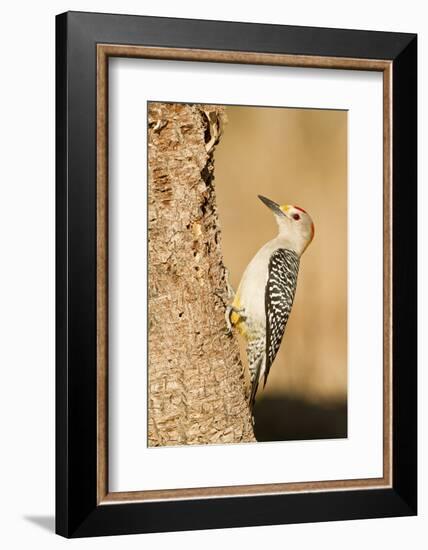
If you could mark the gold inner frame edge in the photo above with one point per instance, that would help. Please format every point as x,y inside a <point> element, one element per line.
<point>104,51</point>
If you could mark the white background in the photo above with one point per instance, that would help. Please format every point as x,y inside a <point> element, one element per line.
<point>27,274</point>
<point>132,81</point>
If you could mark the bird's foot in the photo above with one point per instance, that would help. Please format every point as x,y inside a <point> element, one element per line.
<point>228,312</point>
<point>230,291</point>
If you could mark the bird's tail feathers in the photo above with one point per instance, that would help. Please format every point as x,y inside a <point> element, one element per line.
<point>265,377</point>
<point>255,381</point>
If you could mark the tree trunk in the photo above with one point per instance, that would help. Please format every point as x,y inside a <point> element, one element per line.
<point>196,384</point>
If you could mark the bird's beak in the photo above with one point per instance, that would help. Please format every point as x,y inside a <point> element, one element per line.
<point>272,205</point>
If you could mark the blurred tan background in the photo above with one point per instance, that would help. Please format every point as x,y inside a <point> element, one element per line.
<point>293,156</point>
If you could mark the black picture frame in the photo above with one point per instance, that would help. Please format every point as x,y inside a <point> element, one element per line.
<point>77,511</point>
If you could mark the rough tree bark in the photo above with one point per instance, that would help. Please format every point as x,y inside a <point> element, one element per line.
<point>196,385</point>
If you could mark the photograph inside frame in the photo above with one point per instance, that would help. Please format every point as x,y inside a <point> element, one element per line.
<point>247,274</point>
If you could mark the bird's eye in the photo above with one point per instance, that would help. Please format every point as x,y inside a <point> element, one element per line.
<point>296,217</point>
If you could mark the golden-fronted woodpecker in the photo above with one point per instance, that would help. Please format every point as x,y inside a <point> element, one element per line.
<point>263,301</point>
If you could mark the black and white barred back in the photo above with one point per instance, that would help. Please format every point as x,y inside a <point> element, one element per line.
<point>279,296</point>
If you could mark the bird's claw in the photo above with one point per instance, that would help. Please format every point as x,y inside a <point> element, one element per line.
<point>227,313</point>
<point>229,310</point>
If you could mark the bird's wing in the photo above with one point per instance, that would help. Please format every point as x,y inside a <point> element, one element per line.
<point>279,296</point>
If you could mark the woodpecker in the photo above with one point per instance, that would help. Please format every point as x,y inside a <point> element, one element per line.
<point>263,301</point>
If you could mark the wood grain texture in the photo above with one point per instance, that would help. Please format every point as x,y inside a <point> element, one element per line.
<point>102,275</point>
<point>387,275</point>
<point>196,385</point>
<point>186,54</point>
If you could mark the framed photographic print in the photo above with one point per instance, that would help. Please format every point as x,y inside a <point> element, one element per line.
<point>236,274</point>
